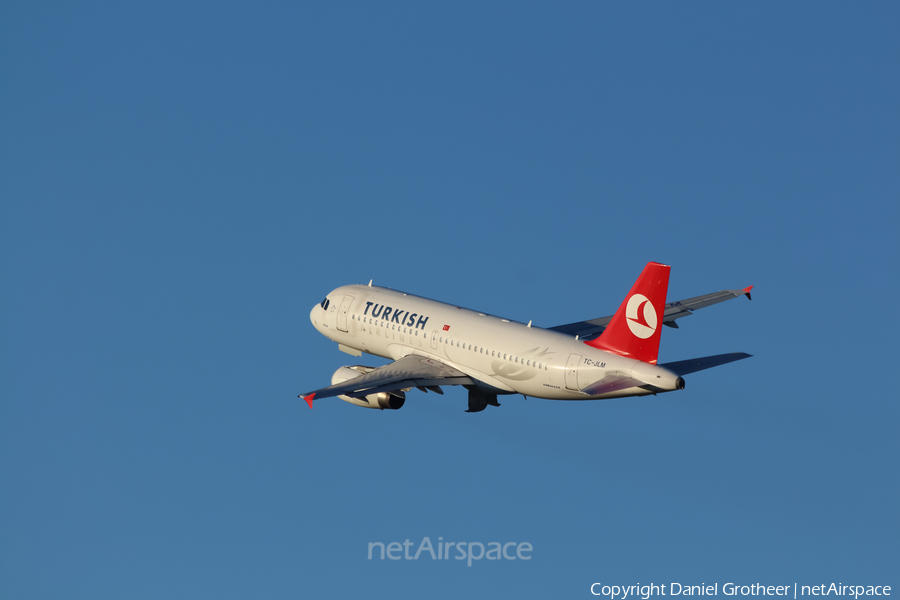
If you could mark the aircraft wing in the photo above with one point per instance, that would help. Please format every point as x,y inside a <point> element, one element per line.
<point>684,367</point>
<point>587,330</point>
<point>410,371</point>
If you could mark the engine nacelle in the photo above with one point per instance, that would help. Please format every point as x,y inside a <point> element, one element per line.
<point>381,400</point>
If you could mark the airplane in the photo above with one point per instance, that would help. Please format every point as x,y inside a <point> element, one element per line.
<point>433,344</point>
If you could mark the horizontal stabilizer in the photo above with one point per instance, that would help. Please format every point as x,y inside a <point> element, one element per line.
<point>613,382</point>
<point>683,367</point>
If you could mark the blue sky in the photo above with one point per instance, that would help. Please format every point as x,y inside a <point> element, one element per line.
<point>181,182</point>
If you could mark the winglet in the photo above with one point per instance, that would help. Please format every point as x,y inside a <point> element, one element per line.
<point>746,291</point>
<point>309,398</point>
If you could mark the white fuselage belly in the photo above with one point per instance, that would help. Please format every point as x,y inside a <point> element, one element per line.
<point>510,356</point>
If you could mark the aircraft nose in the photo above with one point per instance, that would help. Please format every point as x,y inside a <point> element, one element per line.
<point>312,316</point>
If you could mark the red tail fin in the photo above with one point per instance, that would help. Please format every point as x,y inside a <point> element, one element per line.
<point>634,330</point>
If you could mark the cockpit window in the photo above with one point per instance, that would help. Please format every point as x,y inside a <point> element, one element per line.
<point>325,304</point>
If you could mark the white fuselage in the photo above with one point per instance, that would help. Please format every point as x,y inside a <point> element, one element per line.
<point>508,356</point>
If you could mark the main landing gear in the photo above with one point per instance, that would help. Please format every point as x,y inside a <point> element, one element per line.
<point>480,399</point>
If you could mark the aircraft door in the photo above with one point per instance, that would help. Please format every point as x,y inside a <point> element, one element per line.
<point>342,313</point>
<point>572,371</point>
<point>434,336</point>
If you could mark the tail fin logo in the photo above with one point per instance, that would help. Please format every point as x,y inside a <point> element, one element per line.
<point>641,316</point>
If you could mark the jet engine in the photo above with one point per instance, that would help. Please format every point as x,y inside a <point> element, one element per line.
<point>382,400</point>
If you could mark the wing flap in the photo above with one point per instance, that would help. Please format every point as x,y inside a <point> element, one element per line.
<point>409,383</point>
